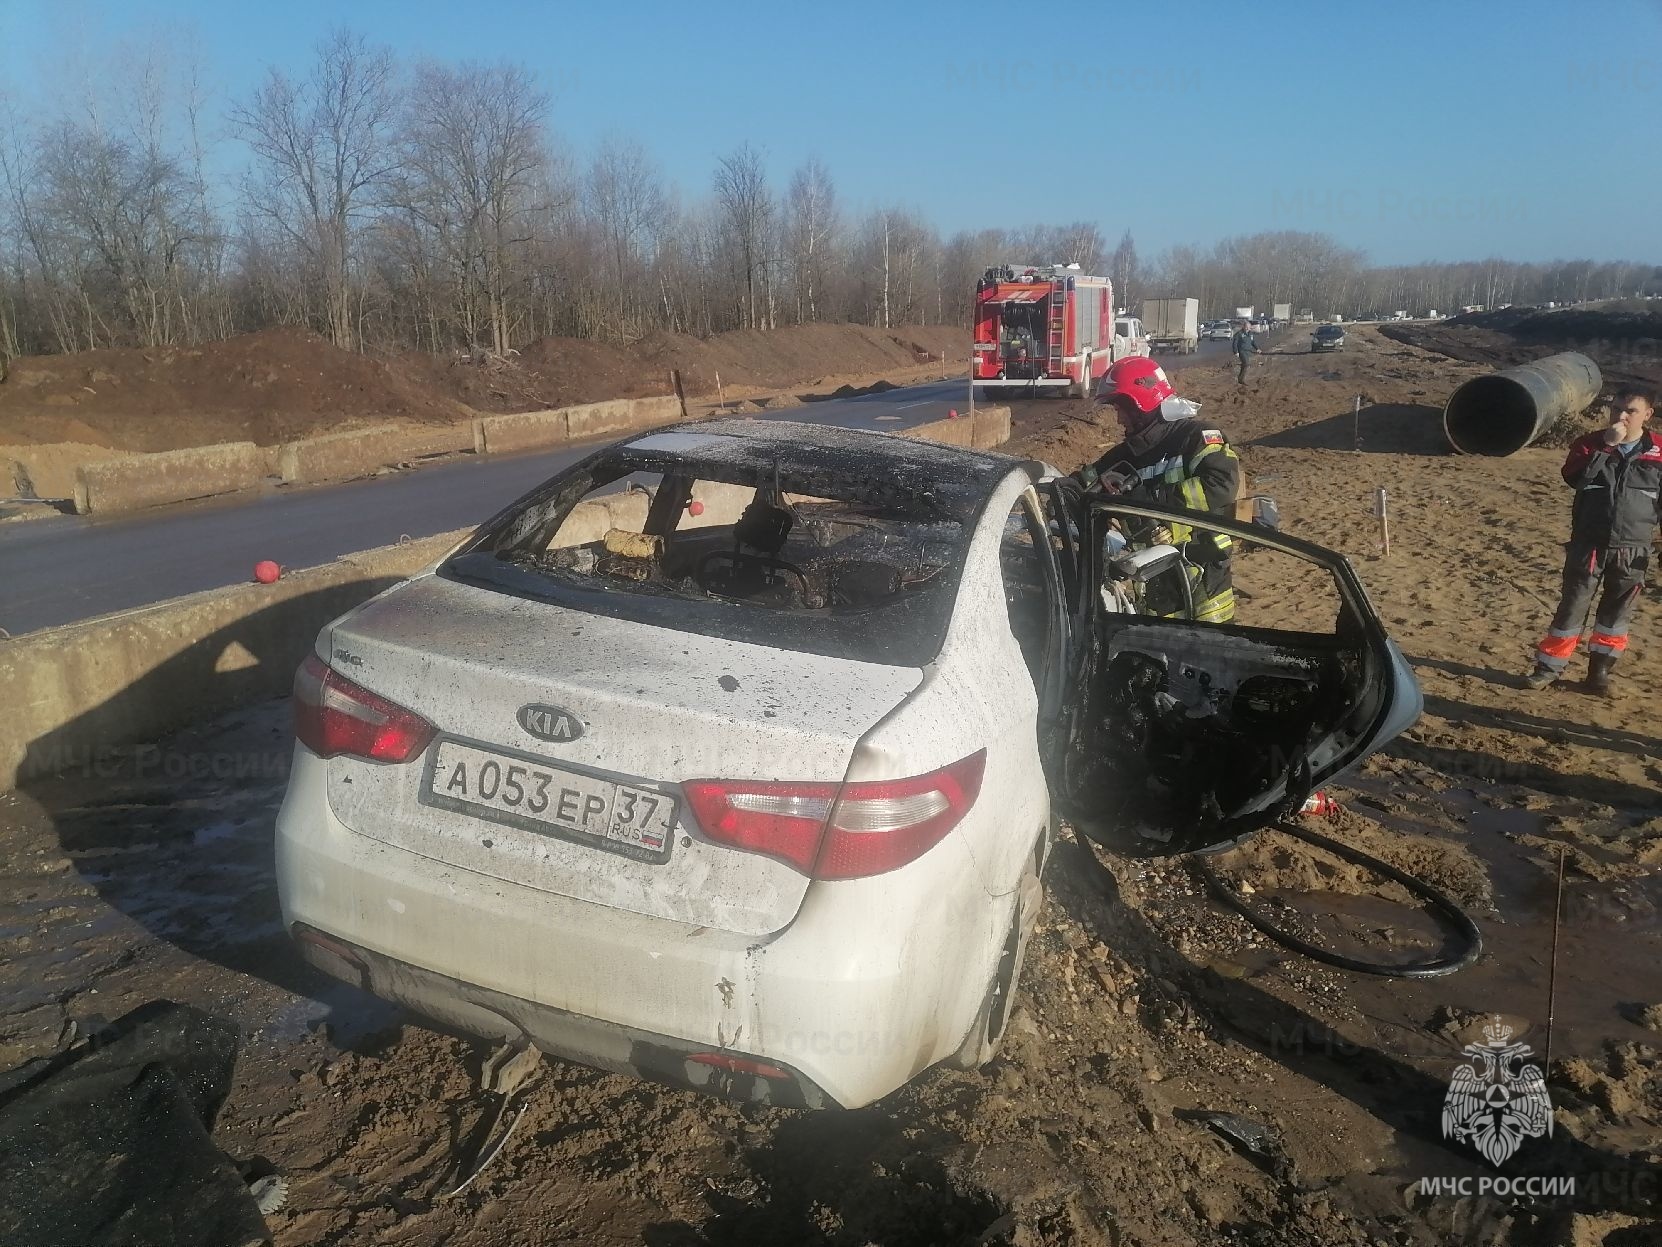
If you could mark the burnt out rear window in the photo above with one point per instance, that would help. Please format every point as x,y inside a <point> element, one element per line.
<point>820,540</point>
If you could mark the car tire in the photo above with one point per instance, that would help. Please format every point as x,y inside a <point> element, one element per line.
<point>986,1033</point>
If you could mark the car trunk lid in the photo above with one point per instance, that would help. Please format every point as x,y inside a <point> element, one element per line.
<point>607,708</point>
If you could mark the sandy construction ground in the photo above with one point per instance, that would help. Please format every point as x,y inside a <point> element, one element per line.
<point>1144,1007</point>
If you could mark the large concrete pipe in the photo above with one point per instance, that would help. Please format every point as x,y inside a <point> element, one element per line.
<point>1505,411</point>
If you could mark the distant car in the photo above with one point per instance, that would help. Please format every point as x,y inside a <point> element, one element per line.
<point>1219,329</point>
<point>1327,338</point>
<point>744,777</point>
<point>1130,338</point>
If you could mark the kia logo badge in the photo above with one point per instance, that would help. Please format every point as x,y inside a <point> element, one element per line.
<point>550,723</point>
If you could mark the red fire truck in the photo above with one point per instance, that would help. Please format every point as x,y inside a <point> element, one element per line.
<point>1042,329</point>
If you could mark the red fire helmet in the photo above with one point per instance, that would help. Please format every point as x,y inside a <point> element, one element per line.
<point>1138,378</point>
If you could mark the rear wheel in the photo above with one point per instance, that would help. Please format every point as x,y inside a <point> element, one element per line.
<point>986,1033</point>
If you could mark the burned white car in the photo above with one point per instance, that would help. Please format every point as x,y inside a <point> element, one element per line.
<point>731,755</point>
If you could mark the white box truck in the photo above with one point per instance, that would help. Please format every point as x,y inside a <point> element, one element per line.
<point>1172,324</point>
<point>1283,313</point>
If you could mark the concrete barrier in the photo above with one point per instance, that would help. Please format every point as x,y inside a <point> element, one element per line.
<point>992,427</point>
<point>959,432</point>
<point>171,476</point>
<point>620,415</point>
<point>363,452</point>
<point>524,430</point>
<point>76,695</point>
<point>533,430</point>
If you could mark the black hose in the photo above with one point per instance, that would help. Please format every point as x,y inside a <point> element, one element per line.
<point>1435,968</point>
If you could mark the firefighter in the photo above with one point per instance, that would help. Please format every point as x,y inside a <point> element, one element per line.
<point>1169,458</point>
<point>1617,478</point>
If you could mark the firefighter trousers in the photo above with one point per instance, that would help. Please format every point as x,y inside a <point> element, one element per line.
<point>1622,571</point>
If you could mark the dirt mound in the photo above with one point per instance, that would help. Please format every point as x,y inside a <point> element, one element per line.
<point>281,384</point>
<point>264,387</point>
<point>1623,339</point>
<point>556,372</point>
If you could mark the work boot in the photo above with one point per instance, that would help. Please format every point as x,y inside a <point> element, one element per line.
<point>1598,674</point>
<point>1542,676</point>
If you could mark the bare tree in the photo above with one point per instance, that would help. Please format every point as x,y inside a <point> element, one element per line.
<point>324,149</point>
<point>747,213</point>
<point>625,198</point>
<point>812,204</point>
<point>474,152</point>
<point>1124,271</point>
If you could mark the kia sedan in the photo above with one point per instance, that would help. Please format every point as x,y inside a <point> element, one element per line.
<point>731,755</point>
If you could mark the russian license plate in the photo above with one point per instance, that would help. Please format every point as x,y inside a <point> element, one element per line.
<point>529,792</point>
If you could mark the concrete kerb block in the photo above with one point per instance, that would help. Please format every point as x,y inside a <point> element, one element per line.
<point>621,415</point>
<point>585,522</point>
<point>525,430</point>
<point>171,476</point>
<point>991,427</point>
<point>960,432</point>
<point>363,452</point>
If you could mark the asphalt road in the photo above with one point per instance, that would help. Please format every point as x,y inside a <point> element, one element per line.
<point>61,569</point>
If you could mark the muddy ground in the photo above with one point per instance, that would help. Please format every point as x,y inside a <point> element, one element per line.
<point>1144,1006</point>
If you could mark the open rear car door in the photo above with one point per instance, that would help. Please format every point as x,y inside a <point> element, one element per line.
<point>1179,735</point>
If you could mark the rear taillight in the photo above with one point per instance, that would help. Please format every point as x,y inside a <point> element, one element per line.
<point>739,1065</point>
<point>334,716</point>
<point>839,831</point>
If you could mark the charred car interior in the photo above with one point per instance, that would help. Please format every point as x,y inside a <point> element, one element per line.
<point>753,538</point>
<point>1190,735</point>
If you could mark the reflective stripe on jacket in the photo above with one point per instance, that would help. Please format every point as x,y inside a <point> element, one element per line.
<point>1195,467</point>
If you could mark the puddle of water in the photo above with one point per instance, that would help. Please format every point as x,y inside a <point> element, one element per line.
<point>1610,936</point>
<point>227,829</point>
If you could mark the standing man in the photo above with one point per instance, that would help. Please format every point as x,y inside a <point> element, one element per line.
<point>1169,458</point>
<point>1245,347</point>
<point>1617,477</point>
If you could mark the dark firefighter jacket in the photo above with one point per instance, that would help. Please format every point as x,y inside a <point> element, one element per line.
<point>1182,463</point>
<point>1616,495</point>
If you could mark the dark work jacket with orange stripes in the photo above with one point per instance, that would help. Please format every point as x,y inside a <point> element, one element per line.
<point>1616,495</point>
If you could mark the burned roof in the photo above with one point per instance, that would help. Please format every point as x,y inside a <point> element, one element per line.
<point>954,479</point>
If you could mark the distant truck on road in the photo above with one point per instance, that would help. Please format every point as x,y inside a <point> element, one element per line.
<point>1282,314</point>
<point>1041,328</point>
<point>1243,313</point>
<point>1172,324</point>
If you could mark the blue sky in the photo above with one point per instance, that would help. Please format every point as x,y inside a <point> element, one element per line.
<point>1414,130</point>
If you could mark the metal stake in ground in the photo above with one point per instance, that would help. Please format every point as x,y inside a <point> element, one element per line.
<point>680,393</point>
<point>1552,964</point>
<point>1380,509</point>
<point>1356,431</point>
